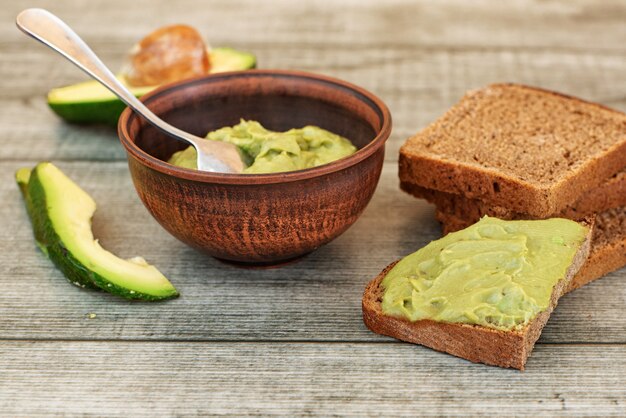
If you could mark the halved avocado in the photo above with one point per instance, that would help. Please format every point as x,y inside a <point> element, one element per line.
<point>90,102</point>
<point>61,213</point>
<point>229,59</point>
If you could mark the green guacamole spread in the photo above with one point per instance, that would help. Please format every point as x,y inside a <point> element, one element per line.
<point>268,151</point>
<point>498,274</point>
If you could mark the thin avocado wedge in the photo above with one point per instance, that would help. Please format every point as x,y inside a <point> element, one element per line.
<point>91,103</point>
<point>61,212</point>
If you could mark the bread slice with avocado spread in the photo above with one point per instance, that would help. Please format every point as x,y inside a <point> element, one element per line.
<point>608,244</point>
<point>483,294</point>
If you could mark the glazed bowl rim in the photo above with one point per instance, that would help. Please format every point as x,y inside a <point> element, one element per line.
<point>226,178</point>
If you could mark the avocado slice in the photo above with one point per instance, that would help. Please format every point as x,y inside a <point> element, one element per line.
<point>91,102</point>
<point>61,212</point>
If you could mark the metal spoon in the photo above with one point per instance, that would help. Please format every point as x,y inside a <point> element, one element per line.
<point>48,29</point>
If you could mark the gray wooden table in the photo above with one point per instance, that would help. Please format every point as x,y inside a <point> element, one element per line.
<point>291,340</point>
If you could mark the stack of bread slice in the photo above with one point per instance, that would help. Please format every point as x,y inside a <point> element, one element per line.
<point>518,152</point>
<point>513,152</point>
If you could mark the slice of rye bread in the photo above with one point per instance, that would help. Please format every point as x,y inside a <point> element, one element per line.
<point>608,244</point>
<point>472,342</point>
<point>610,194</point>
<point>531,150</point>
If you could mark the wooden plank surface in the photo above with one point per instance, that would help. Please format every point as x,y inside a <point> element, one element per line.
<point>291,340</point>
<point>425,84</point>
<point>172,379</point>
<point>581,25</point>
<point>417,74</point>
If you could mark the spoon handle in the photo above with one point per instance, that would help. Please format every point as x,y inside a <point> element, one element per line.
<point>56,34</point>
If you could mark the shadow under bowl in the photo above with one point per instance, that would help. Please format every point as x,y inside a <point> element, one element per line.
<point>257,218</point>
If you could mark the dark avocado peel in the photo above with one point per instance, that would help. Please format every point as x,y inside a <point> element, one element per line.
<point>60,213</point>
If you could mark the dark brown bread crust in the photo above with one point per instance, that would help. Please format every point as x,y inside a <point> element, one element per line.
<point>475,178</point>
<point>608,248</point>
<point>450,222</point>
<point>602,261</point>
<point>610,194</point>
<point>475,343</point>
<point>608,244</point>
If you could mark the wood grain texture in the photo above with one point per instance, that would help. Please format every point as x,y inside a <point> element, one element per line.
<point>172,379</point>
<point>580,25</point>
<point>418,85</point>
<point>291,341</point>
<point>418,71</point>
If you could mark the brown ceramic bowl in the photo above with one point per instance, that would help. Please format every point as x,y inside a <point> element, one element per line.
<point>262,218</point>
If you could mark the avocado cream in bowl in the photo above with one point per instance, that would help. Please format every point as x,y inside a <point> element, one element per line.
<point>267,151</point>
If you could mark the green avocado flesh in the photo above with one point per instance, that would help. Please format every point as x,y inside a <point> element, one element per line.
<point>497,274</point>
<point>268,151</point>
<point>61,213</point>
<point>91,102</point>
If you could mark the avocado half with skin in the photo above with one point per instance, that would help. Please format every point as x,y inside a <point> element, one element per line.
<point>60,213</point>
<point>91,102</point>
